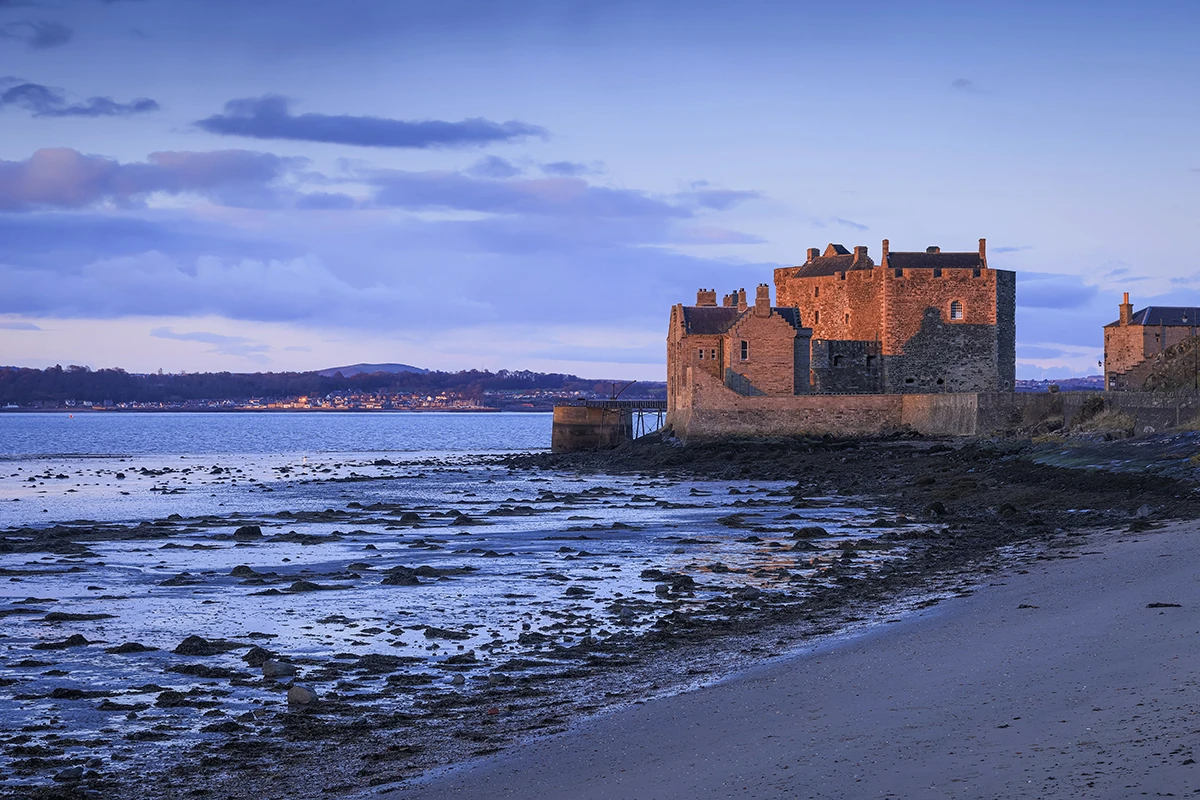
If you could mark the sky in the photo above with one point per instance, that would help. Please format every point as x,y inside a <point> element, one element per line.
<point>201,185</point>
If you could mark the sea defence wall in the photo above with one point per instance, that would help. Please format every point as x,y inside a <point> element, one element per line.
<point>589,428</point>
<point>707,409</point>
<point>1151,411</point>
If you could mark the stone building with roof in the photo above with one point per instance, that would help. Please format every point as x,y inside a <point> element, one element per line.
<point>756,350</point>
<point>1135,338</point>
<point>915,323</point>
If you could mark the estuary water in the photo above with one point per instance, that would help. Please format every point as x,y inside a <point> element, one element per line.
<point>265,432</point>
<point>393,563</point>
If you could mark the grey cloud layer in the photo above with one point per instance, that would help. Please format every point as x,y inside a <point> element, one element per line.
<point>37,33</point>
<point>46,101</point>
<point>65,178</point>
<point>269,117</point>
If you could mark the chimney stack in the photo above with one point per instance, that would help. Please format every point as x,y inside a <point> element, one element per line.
<point>860,254</point>
<point>933,249</point>
<point>706,297</point>
<point>983,251</point>
<point>884,259</point>
<point>741,299</point>
<point>1126,310</point>
<point>762,301</point>
<point>812,253</point>
<point>727,301</point>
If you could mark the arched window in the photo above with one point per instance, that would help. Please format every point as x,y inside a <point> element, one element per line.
<point>956,309</point>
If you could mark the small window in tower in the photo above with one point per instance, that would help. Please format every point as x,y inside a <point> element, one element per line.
<point>701,353</point>
<point>745,350</point>
<point>909,380</point>
<point>837,361</point>
<point>847,319</point>
<point>713,354</point>
<point>870,362</point>
<point>816,291</point>
<point>937,272</point>
<point>816,317</point>
<point>956,309</point>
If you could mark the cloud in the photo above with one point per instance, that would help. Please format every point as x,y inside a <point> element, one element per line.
<point>326,201</point>
<point>1017,249</point>
<point>568,169</point>
<point>541,196</point>
<point>493,167</point>
<point>719,199</point>
<point>223,345</point>
<point>38,34</point>
<point>849,223</point>
<point>268,117</point>
<point>1048,290</point>
<point>963,85</point>
<point>18,326</point>
<point>65,178</point>
<point>45,101</point>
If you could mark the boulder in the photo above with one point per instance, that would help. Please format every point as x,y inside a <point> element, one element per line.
<point>301,696</point>
<point>278,669</point>
<point>248,533</point>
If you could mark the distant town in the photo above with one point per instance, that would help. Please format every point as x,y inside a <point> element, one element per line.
<point>362,387</point>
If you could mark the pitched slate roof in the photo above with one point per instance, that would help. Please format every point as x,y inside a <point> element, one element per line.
<point>1166,316</point>
<point>823,266</point>
<point>712,320</point>
<point>907,260</point>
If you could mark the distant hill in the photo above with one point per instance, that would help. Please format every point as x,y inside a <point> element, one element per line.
<point>370,369</point>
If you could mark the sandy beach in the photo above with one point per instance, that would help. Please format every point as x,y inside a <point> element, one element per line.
<point>1060,678</point>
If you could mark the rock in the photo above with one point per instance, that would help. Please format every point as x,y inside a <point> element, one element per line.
<point>69,774</point>
<point>463,658</point>
<point>379,664</point>
<point>306,586</point>
<point>458,680</point>
<point>248,533</point>
<point>936,509</point>
<point>748,593</point>
<point>75,640</point>
<point>278,669</point>
<point>401,576</point>
<point>1163,605</point>
<point>243,571</point>
<point>301,696</point>
<point>171,699</point>
<point>410,517</point>
<point>432,632</point>
<point>662,590</point>
<point>199,646</point>
<point>257,656</point>
<point>129,647</point>
<point>1143,512</point>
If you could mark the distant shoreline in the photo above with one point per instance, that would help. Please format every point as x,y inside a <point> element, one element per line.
<point>90,410</point>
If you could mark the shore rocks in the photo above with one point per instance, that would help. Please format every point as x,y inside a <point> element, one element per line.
<point>75,640</point>
<point>301,696</point>
<point>248,533</point>
<point>129,647</point>
<point>278,669</point>
<point>199,646</point>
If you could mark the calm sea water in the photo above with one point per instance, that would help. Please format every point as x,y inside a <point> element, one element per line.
<point>93,433</point>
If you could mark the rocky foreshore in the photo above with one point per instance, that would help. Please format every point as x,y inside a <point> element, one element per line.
<point>631,573</point>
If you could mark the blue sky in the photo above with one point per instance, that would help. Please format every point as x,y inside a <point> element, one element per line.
<point>204,185</point>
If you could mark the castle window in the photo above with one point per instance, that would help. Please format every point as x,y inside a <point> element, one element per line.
<point>713,354</point>
<point>870,362</point>
<point>909,380</point>
<point>837,361</point>
<point>940,381</point>
<point>899,273</point>
<point>937,272</point>
<point>847,319</point>
<point>701,353</point>
<point>975,273</point>
<point>745,350</point>
<point>816,291</point>
<point>956,309</point>
<point>816,317</point>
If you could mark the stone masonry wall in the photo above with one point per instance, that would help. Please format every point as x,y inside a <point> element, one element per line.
<point>840,367</point>
<point>771,365</point>
<point>945,357</point>
<point>845,307</point>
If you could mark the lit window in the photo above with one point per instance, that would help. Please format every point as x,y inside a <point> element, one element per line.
<point>956,310</point>
<point>745,351</point>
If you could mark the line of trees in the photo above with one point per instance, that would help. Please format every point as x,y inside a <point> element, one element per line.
<point>23,386</point>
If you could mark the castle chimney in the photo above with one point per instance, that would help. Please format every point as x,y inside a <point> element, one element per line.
<point>983,251</point>
<point>727,301</point>
<point>812,253</point>
<point>933,249</point>
<point>706,297</point>
<point>883,261</point>
<point>1126,310</point>
<point>860,254</point>
<point>741,299</point>
<point>762,301</point>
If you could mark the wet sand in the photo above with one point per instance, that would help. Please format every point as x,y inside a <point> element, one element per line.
<point>1062,679</point>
